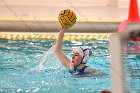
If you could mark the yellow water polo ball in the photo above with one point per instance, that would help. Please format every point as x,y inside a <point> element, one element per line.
<point>67,18</point>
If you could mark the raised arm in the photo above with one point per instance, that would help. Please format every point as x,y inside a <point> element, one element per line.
<point>58,49</point>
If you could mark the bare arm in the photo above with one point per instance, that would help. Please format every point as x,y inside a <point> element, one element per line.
<point>58,49</point>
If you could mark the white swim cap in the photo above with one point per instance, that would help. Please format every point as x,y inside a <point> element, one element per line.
<point>84,53</point>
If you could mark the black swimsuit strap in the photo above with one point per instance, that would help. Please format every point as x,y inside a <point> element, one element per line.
<point>85,67</point>
<point>82,68</point>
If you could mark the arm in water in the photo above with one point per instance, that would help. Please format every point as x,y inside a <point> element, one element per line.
<point>58,49</point>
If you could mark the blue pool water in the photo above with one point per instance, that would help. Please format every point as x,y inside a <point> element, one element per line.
<point>19,57</point>
<point>132,67</point>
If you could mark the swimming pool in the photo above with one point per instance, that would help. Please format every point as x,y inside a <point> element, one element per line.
<point>18,57</point>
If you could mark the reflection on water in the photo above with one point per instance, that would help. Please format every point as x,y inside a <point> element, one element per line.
<point>132,66</point>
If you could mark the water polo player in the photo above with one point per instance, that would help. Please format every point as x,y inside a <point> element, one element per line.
<point>76,66</point>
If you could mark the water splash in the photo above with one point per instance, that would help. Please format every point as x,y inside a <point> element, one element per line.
<point>49,54</point>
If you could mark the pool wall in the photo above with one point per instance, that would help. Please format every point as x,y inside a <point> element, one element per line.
<point>18,25</point>
<point>53,26</point>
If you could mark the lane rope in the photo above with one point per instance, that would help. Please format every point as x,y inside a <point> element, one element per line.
<point>51,37</point>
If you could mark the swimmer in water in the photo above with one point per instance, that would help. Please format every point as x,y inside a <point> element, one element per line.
<point>76,66</point>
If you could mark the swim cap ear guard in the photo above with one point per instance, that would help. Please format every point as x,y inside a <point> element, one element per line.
<point>87,53</point>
